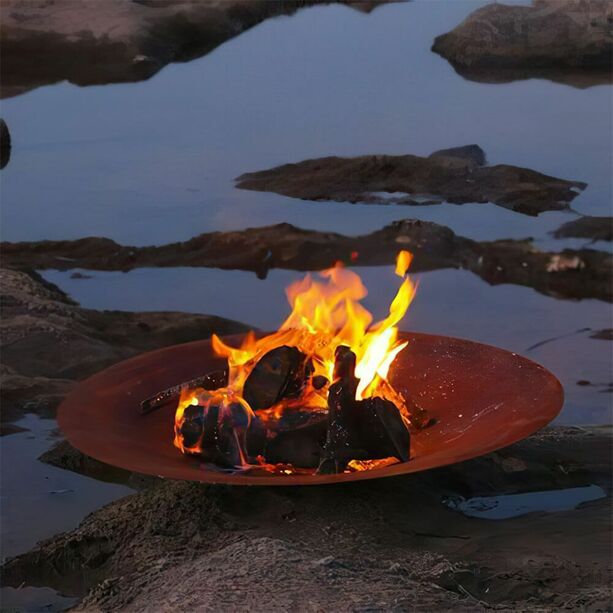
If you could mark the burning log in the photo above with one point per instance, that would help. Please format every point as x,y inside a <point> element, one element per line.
<point>368,429</point>
<point>280,373</point>
<point>211,381</point>
<point>301,446</point>
<point>341,409</point>
<point>293,400</point>
<point>216,430</point>
<point>319,382</point>
<point>381,429</point>
<point>225,433</point>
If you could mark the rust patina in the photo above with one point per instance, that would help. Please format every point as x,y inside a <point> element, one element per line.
<point>482,397</point>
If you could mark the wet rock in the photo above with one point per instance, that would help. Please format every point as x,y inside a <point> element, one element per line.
<point>568,41</point>
<point>594,228</point>
<point>5,144</point>
<point>603,335</point>
<point>8,429</point>
<point>48,342</point>
<point>585,273</point>
<point>454,175</point>
<point>470,153</point>
<point>65,456</point>
<point>90,43</point>
<point>148,547</point>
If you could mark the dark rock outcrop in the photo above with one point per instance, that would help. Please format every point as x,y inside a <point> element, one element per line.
<point>575,274</point>
<point>569,41</point>
<point>48,342</point>
<point>386,544</point>
<point>114,41</point>
<point>603,335</point>
<point>594,228</point>
<point>5,144</point>
<point>457,175</point>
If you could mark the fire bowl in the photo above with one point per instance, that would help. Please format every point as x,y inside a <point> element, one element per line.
<point>483,398</point>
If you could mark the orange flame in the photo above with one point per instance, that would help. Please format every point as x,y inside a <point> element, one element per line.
<point>326,313</point>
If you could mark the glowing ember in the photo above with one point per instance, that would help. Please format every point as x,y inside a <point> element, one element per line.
<point>287,375</point>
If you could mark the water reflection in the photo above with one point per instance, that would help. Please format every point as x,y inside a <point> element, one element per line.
<point>155,162</point>
<point>29,485</point>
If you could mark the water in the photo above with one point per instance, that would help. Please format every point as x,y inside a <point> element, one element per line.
<point>29,486</point>
<point>155,162</point>
<point>34,599</point>
<point>515,505</point>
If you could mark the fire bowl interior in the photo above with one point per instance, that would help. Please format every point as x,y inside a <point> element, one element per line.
<point>483,398</point>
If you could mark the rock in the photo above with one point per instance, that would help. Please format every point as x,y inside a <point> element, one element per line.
<point>148,547</point>
<point>5,144</point>
<point>48,342</point>
<point>570,41</point>
<point>472,153</point>
<point>603,335</point>
<point>583,273</point>
<point>117,41</point>
<point>594,228</point>
<point>79,275</point>
<point>65,456</point>
<point>455,175</point>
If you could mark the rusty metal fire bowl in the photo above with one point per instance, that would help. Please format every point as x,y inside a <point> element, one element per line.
<point>483,398</point>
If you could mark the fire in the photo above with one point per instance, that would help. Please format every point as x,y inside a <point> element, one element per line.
<point>326,313</point>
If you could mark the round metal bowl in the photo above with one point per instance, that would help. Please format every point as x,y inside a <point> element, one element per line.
<point>483,398</point>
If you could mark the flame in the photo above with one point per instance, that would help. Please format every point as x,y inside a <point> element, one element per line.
<point>325,313</point>
<point>403,261</point>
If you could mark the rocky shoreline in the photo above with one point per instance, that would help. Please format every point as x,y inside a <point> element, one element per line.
<point>570,273</point>
<point>88,43</point>
<point>48,342</point>
<point>389,544</point>
<point>594,228</point>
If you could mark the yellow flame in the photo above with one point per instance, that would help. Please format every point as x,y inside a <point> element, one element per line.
<point>403,262</point>
<point>325,313</point>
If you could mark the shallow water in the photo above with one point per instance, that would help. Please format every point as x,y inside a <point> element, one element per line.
<point>34,599</point>
<point>155,162</point>
<point>39,499</point>
<point>515,505</point>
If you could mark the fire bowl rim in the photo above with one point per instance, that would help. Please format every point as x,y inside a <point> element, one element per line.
<point>76,422</point>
